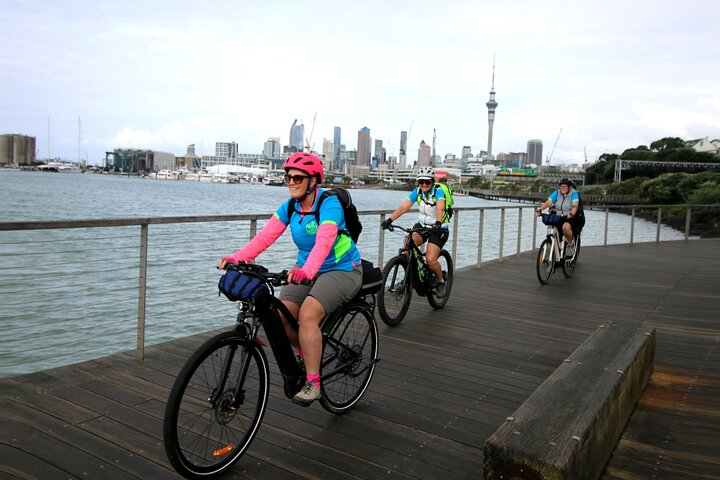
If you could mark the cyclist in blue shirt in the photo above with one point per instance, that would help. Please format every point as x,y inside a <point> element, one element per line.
<point>431,213</point>
<point>325,253</point>
<point>566,201</point>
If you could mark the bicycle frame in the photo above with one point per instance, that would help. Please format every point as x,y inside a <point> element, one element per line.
<point>419,267</point>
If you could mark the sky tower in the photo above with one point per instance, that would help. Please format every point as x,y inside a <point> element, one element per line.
<point>491,106</point>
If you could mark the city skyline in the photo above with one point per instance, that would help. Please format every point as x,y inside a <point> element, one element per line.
<point>610,75</point>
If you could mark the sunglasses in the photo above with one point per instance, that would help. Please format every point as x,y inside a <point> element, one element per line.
<point>423,181</point>
<point>295,178</point>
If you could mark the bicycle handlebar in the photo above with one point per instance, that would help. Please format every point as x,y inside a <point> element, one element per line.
<point>276,279</point>
<point>420,229</point>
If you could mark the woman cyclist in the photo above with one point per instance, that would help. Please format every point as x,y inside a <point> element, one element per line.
<point>567,202</point>
<point>431,213</point>
<point>325,254</point>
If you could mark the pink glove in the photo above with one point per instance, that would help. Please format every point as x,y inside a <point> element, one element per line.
<point>298,275</point>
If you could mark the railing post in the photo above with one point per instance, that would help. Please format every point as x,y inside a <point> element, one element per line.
<point>142,287</point>
<point>381,244</point>
<point>657,234</point>
<point>520,210</point>
<point>480,235</point>
<point>607,219</point>
<point>455,235</point>
<point>632,225</point>
<point>687,222</point>
<point>534,234</point>
<point>253,227</point>
<point>502,234</point>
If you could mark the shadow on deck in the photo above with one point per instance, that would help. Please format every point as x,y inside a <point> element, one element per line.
<point>446,381</point>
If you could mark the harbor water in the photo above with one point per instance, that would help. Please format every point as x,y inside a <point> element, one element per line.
<point>68,295</point>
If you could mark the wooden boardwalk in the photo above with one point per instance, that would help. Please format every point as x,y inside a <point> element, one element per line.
<point>446,381</point>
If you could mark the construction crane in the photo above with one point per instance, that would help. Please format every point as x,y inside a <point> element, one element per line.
<point>547,162</point>
<point>308,145</point>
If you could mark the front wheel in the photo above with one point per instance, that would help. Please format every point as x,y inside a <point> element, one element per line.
<point>394,298</point>
<point>350,352</point>
<point>570,263</point>
<point>215,406</point>
<point>544,263</point>
<point>439,299</point>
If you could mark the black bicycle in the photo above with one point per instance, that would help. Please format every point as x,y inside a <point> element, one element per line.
<point>551,254</point>
<point>409,271</point>
<point>218,400</point>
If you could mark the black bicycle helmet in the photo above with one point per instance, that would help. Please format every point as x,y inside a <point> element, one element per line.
<point>565,181</point>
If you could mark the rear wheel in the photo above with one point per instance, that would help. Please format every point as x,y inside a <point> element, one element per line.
<point>446,264</point>
<point>215,406</point>
<point>570,263</point>
<point>350,352</point>
<point>394,298</point>
<point>544,262</point>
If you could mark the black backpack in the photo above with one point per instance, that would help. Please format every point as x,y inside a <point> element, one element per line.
<point>352,220</point>
<point>580,211</point>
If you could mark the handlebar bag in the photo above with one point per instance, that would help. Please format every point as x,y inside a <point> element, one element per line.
<point>551,219</point>
<point>241,286</point>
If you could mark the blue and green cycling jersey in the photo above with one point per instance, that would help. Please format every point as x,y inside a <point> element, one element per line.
<point>303,227</point>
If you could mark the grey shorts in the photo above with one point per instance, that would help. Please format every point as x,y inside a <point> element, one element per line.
<point>332,289</point>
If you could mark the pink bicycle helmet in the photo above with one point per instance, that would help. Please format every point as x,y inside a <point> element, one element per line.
<point>307,162</point>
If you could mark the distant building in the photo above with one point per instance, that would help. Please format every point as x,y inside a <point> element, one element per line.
<point>127,160</point>
<point>402,155</point>
<point>226,149</point>
<point>272,148</point>
<point>466,152</point>
<point>424,153</point>
<point>190,161</point>
<point>534,151</point>
<point>328,151</point>
<point>336,148</point>
<point>363,147</point>
<point>703,145</point>
<point>491,106</point>
<point>379,157</point>
<point>16,149</point>
<point>297,136</point>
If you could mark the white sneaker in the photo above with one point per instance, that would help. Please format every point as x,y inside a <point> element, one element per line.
<point>307,395</point>
<point>570,250</point>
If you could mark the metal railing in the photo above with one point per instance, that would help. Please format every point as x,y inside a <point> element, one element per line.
<point>66,286</point>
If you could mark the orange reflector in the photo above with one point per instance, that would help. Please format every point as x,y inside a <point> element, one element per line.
<point>222,451</point>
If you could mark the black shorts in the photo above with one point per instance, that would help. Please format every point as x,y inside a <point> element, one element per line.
<point>576,223</point>
<point>439,238</point>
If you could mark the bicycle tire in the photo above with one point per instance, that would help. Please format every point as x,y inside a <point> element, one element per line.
<point>394,298</point>
<point>446,264</point>
<point>570,264</point>
<point>544,262</point>
<point>204,440</point>
<point>350,352</point>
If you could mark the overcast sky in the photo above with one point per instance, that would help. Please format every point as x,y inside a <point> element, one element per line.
<point>165,74</point>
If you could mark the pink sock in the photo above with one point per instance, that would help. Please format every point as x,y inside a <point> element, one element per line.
<point>314,378</point>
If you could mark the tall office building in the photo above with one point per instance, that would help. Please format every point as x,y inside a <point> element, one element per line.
<point>297,136</point>
<point>424,153</point>
<point>378,152</point>
<point>363,147</point>
<point>336,149</point>
<point>534,151</point>
<point>491,106</point>
<point>272,149</point>
<point>467,152</point>
<point>402,156</point>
